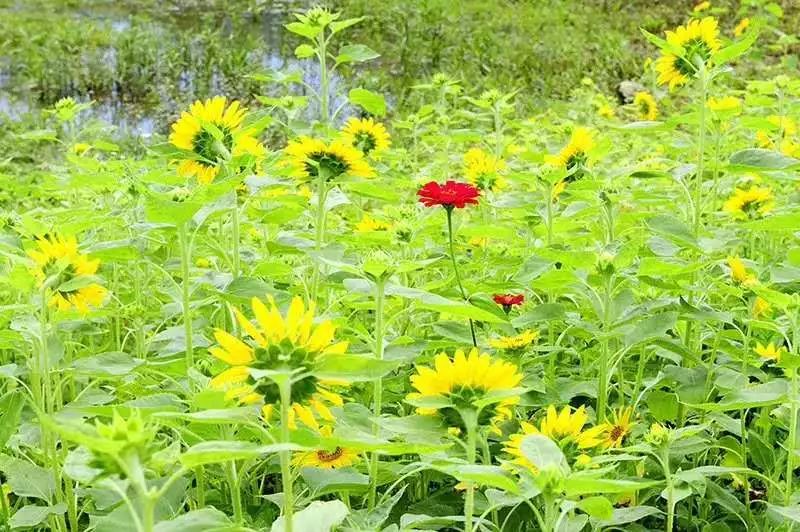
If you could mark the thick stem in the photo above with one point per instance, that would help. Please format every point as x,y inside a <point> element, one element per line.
<point>148,512</point>
<point>236,494</point>
<point>449,211</point>
<point>378,390</point>
<point>670,491</point>
<point>319,228</point>
<point>602,377</point>
<point>285,387</point>
<point>183,241</point>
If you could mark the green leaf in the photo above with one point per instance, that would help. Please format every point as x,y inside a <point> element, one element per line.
<point>211,452</point>
<point>371,102</point>
<point>624,516</point>
<point>114,363</point>
<point>31,515</point>
<point>651,327</point>
<point>339,25</point>
<point>584,484</point>
<point>672,228</point>
<point>324,481</point>
<point>318,516</point>
<point>762,159</point>
<point>28,480</point>
<point>354,368</point>
<point>543,452</point>
<point>482,475</point>
<point>738,48</point>
<point>769,393</point>
<point>11,405</point>
<point>785,513</point>
<point>355,53</point>
<point>543,312</point>
<point>305,30</point>
<point>222,416</point>
<point>598,507</point>
<point>203,520</point>
<point>304,51</point>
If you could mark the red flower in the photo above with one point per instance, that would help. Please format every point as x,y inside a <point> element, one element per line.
<point>509,300</point>
<point>451,194</point>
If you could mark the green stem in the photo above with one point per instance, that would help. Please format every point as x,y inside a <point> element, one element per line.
<point>200,475</point>
<point>236,259</point>
<point>469,502</point>
<point>319,229</point>
<point>701,141</point>
<point>236,493</point>
<point>148,512</point>
<point>449,211</point>
<point>183,241</point>
<point>670,490</point>
<point>323,79</point>
<point>285,388</point>
<point>378,389</point>
<point>602,383</point>
<point>549,203</point>
<point>792,438</point>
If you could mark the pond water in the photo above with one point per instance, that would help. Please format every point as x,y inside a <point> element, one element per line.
<point>252,41</point>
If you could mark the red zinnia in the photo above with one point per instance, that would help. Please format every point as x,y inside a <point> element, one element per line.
<point>451,194</point>
<point>509,300</point>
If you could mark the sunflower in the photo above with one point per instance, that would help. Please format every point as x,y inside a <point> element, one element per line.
<point>741,27</point>
<point>769,351</point>
<point>369,225</point>
<point>739,272</point>
<point>518,341</point>
<point>564,428</point>
<point>307,156</point>
<point>58,262</point>
<point>574,155</point>
<point>463,380</point>
<point>646,105</point>
<point>619,427</point>
<point>326,458</point>
<point>483,170</point>
<point>749,203</point>
<point>698,41</point>
<point>211,132</point>
<point>605,110</point>
<point>367,135</point>
<point>724,104</point>
<point>760,307</point>
<point>278,343</point>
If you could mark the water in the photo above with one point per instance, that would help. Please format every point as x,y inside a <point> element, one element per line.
<point>113,103</point>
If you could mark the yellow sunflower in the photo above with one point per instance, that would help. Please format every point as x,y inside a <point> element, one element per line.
<point>618,428</point>
<point>739,272</point>
<point>575,153</point>
<point>367,135</point>
<point>749,203</point>
<point>326,458</point>
<point>211,132</point>
<point>741,27</point>
<point>483,170</point>
<point>518,341</point>
<point>57,263</point>
<point>463,380</point>
<point>277,343</point>
<point>726,103</point>
<point>646,105</point>
<point>564,428</point>
<point>606,111</point>
<point>760,307</point>
<point>698,41</point>
<point>307,156</point>
<point>769,351</point>
<point>369,225</point>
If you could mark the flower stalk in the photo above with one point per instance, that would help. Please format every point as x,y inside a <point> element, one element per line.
<point>449,211</point>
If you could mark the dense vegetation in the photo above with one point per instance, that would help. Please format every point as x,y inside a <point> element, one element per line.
<point>408,266</point>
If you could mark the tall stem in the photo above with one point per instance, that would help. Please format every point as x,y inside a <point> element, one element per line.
<point>670,491</point>
<point>236,493</point>
<point>183,241</point>
<point>449,211</point>
<point>602,384</point>
<point>701,147</point>
<point>792,438</point>
<point>323,79</point>
<point>469,502</point>
<point>235,236</point>
<point>378,389</point>
<point>319,229</point>
<point>285,387</point>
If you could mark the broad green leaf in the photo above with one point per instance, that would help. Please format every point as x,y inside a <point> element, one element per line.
<point>28,480</point>
<point>584,484</point>
<point>624,516</point>
<point>355,53</point>
<point>304,51</point>
<point>212,452</point>
<point>372,102</point>
<point>598,507</point>
<point>543,452</point>
<point>738,48</point>
<point>11,405</point>
<point>766,394</point>
<point>202,520</point>
<point>114,363</point>
<point>482,475</point>
<point>305,30</point>
<point>354,367</point>
<point>324,481</point>
<point>758,158</point>
<point>31,515</point>
<point>318,516</point>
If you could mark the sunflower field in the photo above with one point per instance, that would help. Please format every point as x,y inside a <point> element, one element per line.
<point>324,307</point>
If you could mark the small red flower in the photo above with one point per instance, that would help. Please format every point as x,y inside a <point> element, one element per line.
<point>449,195</point>
<point>509,300</point>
